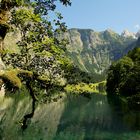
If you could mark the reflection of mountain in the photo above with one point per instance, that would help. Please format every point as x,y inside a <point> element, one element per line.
<point>72,118</point>
<point>94,51</point>
<point>85,119</point>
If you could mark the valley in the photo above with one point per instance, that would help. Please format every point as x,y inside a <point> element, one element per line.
<point>93,52</point>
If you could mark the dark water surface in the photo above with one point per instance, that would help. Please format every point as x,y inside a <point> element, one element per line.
<point>72,118</point>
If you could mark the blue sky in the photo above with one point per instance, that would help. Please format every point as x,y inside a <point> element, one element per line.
<point>103,14</point>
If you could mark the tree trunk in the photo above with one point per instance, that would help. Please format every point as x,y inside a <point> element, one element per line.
<point>3,31</point>
<point>5,7</point>
<point>4,17</point>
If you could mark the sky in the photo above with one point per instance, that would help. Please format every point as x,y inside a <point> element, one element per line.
<point>100,15</point>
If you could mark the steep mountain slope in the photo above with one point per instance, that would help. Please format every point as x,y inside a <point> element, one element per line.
<point>132,46</point>
<point>92,51</point>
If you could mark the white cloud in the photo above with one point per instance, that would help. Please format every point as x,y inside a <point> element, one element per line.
<point>137,26</point>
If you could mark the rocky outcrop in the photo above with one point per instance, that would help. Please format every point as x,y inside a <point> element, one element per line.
<point>126,33</point>
<point>94,51</point>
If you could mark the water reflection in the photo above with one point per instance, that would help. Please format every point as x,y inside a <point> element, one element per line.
<point>72,118</point>
<point>96,119</point>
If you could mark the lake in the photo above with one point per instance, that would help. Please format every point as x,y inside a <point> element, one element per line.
<point>70,118</point>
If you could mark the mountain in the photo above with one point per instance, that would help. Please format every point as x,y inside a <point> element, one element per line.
<point>126,33</point>
<point>93,51</point>
<point>132,46</point>
<point>138,34</point>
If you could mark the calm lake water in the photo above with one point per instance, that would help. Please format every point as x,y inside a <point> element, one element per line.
<point>71,118</point>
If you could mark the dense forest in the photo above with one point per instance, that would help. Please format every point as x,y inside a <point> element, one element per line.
<point>124,77</point>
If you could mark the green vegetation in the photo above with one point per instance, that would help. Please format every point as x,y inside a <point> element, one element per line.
<point>38,64</point>
<point>84,88</point>
<point>38,59</point>
<point>124,76</point>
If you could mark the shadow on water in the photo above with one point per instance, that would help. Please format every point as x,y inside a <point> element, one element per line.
<point>71,118</point>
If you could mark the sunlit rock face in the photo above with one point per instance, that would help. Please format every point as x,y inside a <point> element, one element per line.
<point>138,34</point>
<point>2,88</point>
<point>94,51</point>
<point>9,43</point>
<point>11,39</point>
<point>2,66</point>
<point>126,33</point>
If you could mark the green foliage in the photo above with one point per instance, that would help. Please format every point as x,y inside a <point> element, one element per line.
<point>25,15</point>
<point>37,65</point>
<point>123,75</point>
<point>85,89</point>
<point>41,58</point>
<point>135,55</point>
<point>73,74</point>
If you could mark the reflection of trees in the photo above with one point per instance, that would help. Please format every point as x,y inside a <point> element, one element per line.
<point>30,115</point>
<point>130,118</point>
<point>85,117</point>
<point>95,119</point>
<point>43,124</point>
<point>77,118</point>
<point>12,112</point>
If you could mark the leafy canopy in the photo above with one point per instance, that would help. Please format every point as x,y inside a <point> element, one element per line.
<point>40,52</point>
<point>124,76</point>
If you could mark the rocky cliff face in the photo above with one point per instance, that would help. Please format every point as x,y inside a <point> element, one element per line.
<point>132,46</point>
<point>94,51</point>
<point>126,34</point>
<point>91,51</point>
